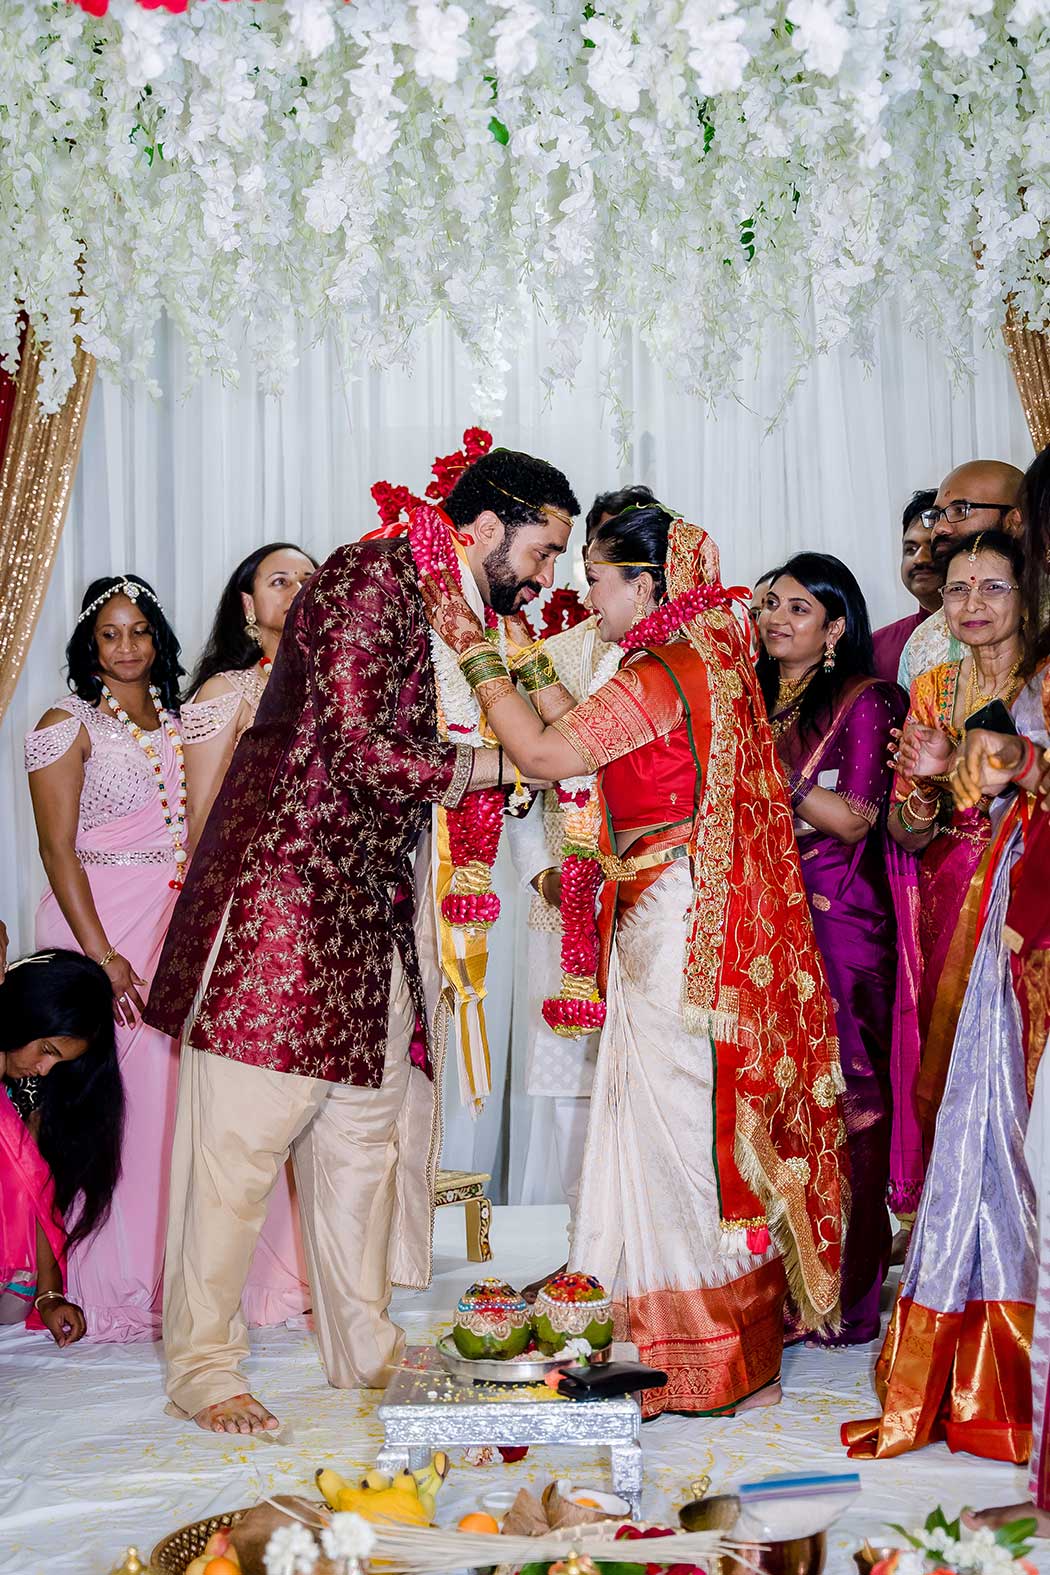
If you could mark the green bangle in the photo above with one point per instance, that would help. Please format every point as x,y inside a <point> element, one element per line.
<point>482,666</point>
<point>537,673</point>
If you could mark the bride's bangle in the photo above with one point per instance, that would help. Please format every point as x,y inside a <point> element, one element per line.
<point>58,1296</point>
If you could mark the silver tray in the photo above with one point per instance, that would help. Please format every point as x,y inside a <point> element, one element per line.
<point>494,1371</point>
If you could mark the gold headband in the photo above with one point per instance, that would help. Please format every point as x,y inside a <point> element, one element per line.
<point>539,508</point>
<point>625,563</point>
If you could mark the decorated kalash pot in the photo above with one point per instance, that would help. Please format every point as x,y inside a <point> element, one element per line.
<point>572,1307</point>
<point>492,1322</point>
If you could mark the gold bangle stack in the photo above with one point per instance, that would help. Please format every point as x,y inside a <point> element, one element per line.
<point>481,664</point>
<point>536,672</point>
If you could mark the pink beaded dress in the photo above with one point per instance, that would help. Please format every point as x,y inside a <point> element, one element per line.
<point>128,856</point>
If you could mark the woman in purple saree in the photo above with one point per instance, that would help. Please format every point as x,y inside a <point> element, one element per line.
<point>832,722</point>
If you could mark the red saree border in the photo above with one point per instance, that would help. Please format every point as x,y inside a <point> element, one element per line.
<point>718,1344</point>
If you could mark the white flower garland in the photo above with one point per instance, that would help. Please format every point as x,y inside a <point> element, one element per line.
<point>459,705</point>
<point>713,171</point>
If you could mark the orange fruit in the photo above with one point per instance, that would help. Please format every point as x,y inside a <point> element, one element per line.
<point>474,1522</point>
<point>222,1566</point>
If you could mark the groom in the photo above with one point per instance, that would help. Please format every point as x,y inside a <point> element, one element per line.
<point>292,954</point>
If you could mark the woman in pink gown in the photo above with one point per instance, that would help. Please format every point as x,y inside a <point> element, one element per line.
<point>108,786</point>
<point>226,688</point>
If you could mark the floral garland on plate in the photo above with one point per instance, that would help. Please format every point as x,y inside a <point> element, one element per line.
<point>578,1007</point>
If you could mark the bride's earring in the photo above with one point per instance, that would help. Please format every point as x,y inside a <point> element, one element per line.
<point>251,626</point>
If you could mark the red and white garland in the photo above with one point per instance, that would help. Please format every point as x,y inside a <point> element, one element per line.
<point>474,828</point>
<point>578,1007</point>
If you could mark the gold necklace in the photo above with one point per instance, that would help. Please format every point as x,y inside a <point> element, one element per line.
<point>977,697</point>
<point>789,694</point>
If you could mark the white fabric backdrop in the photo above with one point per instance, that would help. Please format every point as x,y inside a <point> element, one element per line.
<point>180,489</point>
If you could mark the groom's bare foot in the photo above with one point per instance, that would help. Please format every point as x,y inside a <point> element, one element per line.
<point>996,1518</point>
<point>240,1414</point>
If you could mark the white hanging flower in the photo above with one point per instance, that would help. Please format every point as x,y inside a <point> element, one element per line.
<point>516,48</point>
<point>819,35</point>
<point>441,47</point>
<point>291,1550</point>
<point>717,55</point>
<point>147,42</point>
<point>348,1537</point>
<point>609,69</point>
<point>311,25</point>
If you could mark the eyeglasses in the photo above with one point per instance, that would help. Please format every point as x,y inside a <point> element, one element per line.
<point>961,509</point>
<point>960,591</point>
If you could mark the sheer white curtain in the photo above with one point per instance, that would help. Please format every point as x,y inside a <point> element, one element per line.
<point>180,488</point>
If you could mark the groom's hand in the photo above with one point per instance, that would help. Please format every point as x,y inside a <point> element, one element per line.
<point>449,613</point>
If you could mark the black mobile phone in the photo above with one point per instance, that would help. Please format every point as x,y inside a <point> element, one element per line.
<point>994,717</point>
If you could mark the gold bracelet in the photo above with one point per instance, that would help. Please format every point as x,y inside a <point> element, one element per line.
<point>551,870</point>
<point>48,1296</point>
<point>916,804</point>
<point>107,957</point>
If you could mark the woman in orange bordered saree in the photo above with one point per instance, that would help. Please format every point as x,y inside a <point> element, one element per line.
<point>714,1180</point>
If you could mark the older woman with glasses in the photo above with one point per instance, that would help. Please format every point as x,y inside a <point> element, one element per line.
<point>983,611</point>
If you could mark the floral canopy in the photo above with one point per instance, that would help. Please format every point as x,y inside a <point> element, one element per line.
<point>707,170</point>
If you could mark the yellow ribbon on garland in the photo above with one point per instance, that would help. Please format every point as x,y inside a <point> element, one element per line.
<point>464,959</point>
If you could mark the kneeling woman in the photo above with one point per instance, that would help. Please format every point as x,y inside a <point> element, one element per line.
<point>61,1116</point>
<point>715,1148</point>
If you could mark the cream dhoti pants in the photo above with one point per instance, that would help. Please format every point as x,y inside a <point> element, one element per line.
<point>235,1127</point>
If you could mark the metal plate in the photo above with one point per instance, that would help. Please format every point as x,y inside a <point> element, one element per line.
<point>519,1371</point>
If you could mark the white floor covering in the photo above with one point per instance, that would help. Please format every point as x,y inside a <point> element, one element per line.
<point>90,1463</point>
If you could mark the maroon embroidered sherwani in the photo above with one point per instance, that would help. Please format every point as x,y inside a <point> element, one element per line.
<point>292,949</point>
<point>312,834</point>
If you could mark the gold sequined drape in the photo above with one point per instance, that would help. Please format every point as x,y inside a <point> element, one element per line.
<point>36,477</point>
<point>1029,354</point>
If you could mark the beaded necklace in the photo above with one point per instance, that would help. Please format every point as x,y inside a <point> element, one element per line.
<point>176,823</point>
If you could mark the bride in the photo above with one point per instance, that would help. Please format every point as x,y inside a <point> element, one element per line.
<point>714,1181</point>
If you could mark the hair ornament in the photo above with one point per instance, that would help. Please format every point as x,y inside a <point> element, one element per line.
<point>35,957</point>
<point>125,587</point>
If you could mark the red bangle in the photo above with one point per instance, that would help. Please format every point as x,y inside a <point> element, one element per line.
<point>1028,762</point>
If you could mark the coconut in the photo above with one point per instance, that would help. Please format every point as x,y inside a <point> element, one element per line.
<point>492,1322</point>
<point>572,1307</point>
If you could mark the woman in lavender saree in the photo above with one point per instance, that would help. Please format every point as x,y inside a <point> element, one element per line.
<point>832,723</point>
<point>955,1364</point>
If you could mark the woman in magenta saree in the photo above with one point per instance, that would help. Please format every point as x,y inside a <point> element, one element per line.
<point>832,722</point>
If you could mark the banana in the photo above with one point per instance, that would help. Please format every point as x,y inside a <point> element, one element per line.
<point>429,1480</point>
<point>331,1485</point>
<point>376,1480</point>
<point>391,1503</point>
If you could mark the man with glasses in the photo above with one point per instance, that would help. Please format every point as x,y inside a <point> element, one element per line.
<point>919,577</point>
<point>976,496</point>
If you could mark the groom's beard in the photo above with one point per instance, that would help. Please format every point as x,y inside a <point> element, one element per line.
<point>506,592</point>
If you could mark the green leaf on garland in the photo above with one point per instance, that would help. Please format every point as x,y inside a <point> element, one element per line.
<point>499,131</point>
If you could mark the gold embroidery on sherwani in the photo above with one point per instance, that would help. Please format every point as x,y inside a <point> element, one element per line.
<point>310,842</point>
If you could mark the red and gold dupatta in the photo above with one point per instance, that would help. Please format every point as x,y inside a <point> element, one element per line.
<point>753,976</point>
